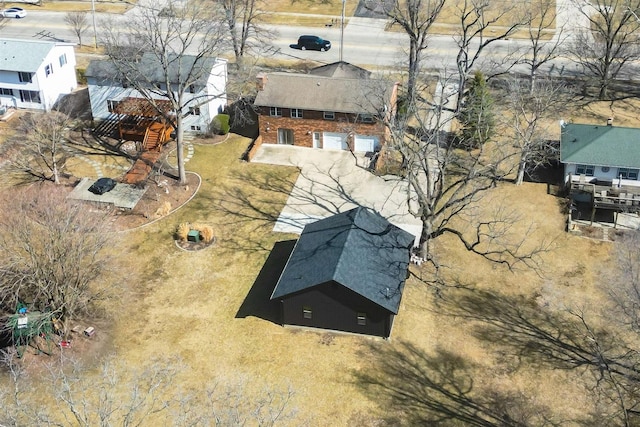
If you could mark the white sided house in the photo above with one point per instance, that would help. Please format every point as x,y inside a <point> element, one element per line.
<point>206,96</point>
<point>603,154</point>
<point>602,167</point>
<point>35,74</point>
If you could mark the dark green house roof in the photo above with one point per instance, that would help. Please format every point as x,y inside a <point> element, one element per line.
<point>358,249</point>
<point>600,145</point>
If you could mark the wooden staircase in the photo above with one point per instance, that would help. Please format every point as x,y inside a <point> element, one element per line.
<point>156,135</point>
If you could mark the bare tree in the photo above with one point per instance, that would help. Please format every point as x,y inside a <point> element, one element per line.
<point>542,20</point>
<point>477,19</point>
<point>39,149</point>
<point>53,254</point>
<point>181,47</point>
<point>242,17</point>
<point>530,115</point>
<point>610,43</point>
<point>446,184</point>
<point>121,395</point>
<point>415,17</point>
<point>79,23</point>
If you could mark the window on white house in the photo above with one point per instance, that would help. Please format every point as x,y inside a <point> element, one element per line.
<point>329,115</point>
<point>63,59</point>
<point>30,96</point>
<point>48,69</point>
<point>5,91</point>
<point>362,319</point>
<point>296,113</point>
<point>196,128</point>
<point>626,173</point>
<point>194,110</point>
<point>275,112</point>
<point>192,88</point>
<point>25,77</point>
<point>306,312</point>
<point>585,170</point>
<point>112,105</point>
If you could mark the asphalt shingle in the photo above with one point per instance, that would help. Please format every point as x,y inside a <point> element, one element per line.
<point>359,249</point>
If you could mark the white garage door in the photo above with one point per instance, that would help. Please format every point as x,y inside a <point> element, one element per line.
<point>334,141</point>
<point>364,143</point>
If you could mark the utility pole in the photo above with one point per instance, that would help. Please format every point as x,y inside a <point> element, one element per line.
<point>342,29</point>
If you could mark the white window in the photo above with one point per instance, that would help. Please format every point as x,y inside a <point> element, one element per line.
<point>192,89</point>
<point>195,127</point>
<point>48,70</point>
<point>329,115</point>
<point>112,105</point>
<point>5,91</point>
<point>306,312</point>
<point>585,170</point>
<point>63,59</point>
<point>194,110</point>
<point>275,112</point>
<point>362,319</point>
<point>296,113</point>
<point>30,96</point>
<point>626,173</point>
<point>25,77</point>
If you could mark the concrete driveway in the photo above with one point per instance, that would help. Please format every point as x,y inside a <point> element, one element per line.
<point>331,182</point>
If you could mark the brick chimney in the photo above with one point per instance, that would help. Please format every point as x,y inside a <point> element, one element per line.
<point>261,80</point>
<point>610,121</point>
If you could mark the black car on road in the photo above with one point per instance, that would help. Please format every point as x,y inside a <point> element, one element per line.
<point>312,43</point>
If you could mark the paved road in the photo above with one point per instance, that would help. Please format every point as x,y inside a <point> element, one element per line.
<point>365,41</point>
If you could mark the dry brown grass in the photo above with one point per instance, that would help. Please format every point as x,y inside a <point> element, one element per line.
<point>187,304</point>
<point>80,6</point>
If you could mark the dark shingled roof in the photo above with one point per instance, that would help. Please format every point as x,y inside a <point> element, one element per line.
<point>358,249</point>
<point>600,145</point>
<point>149,67</point>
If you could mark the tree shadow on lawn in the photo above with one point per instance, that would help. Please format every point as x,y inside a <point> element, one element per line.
<point>257,303</point>
<point>255,197</point>
<point>526,331</point>
<point>441,390</point>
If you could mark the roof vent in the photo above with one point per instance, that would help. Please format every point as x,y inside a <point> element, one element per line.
<point>610,121</point>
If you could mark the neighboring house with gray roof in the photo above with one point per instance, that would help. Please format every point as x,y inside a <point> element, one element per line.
<point>35,74</point>
<point>207,79</point>
<point>320,110</point>
<point>603,154</point>
<point>346,273</point>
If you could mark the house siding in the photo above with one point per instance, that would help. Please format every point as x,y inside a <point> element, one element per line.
<point>210,99</point>
<point>313,121</point>
<point>610,176</point>
<point>61,81</point>
<point>335,307</point>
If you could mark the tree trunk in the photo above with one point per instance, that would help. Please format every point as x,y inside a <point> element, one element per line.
<point>182,177</point>
<point>414,64</point>
<point>425,237</point>
<point>522,166</point>
<point>56,174</point>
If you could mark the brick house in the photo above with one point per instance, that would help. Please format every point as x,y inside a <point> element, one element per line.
<point>338,107</point>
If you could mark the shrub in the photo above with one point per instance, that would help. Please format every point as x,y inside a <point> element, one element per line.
<point>182,231</point>
<point>220,124</point>
<point>80,76</point>
<point>207,234</point>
